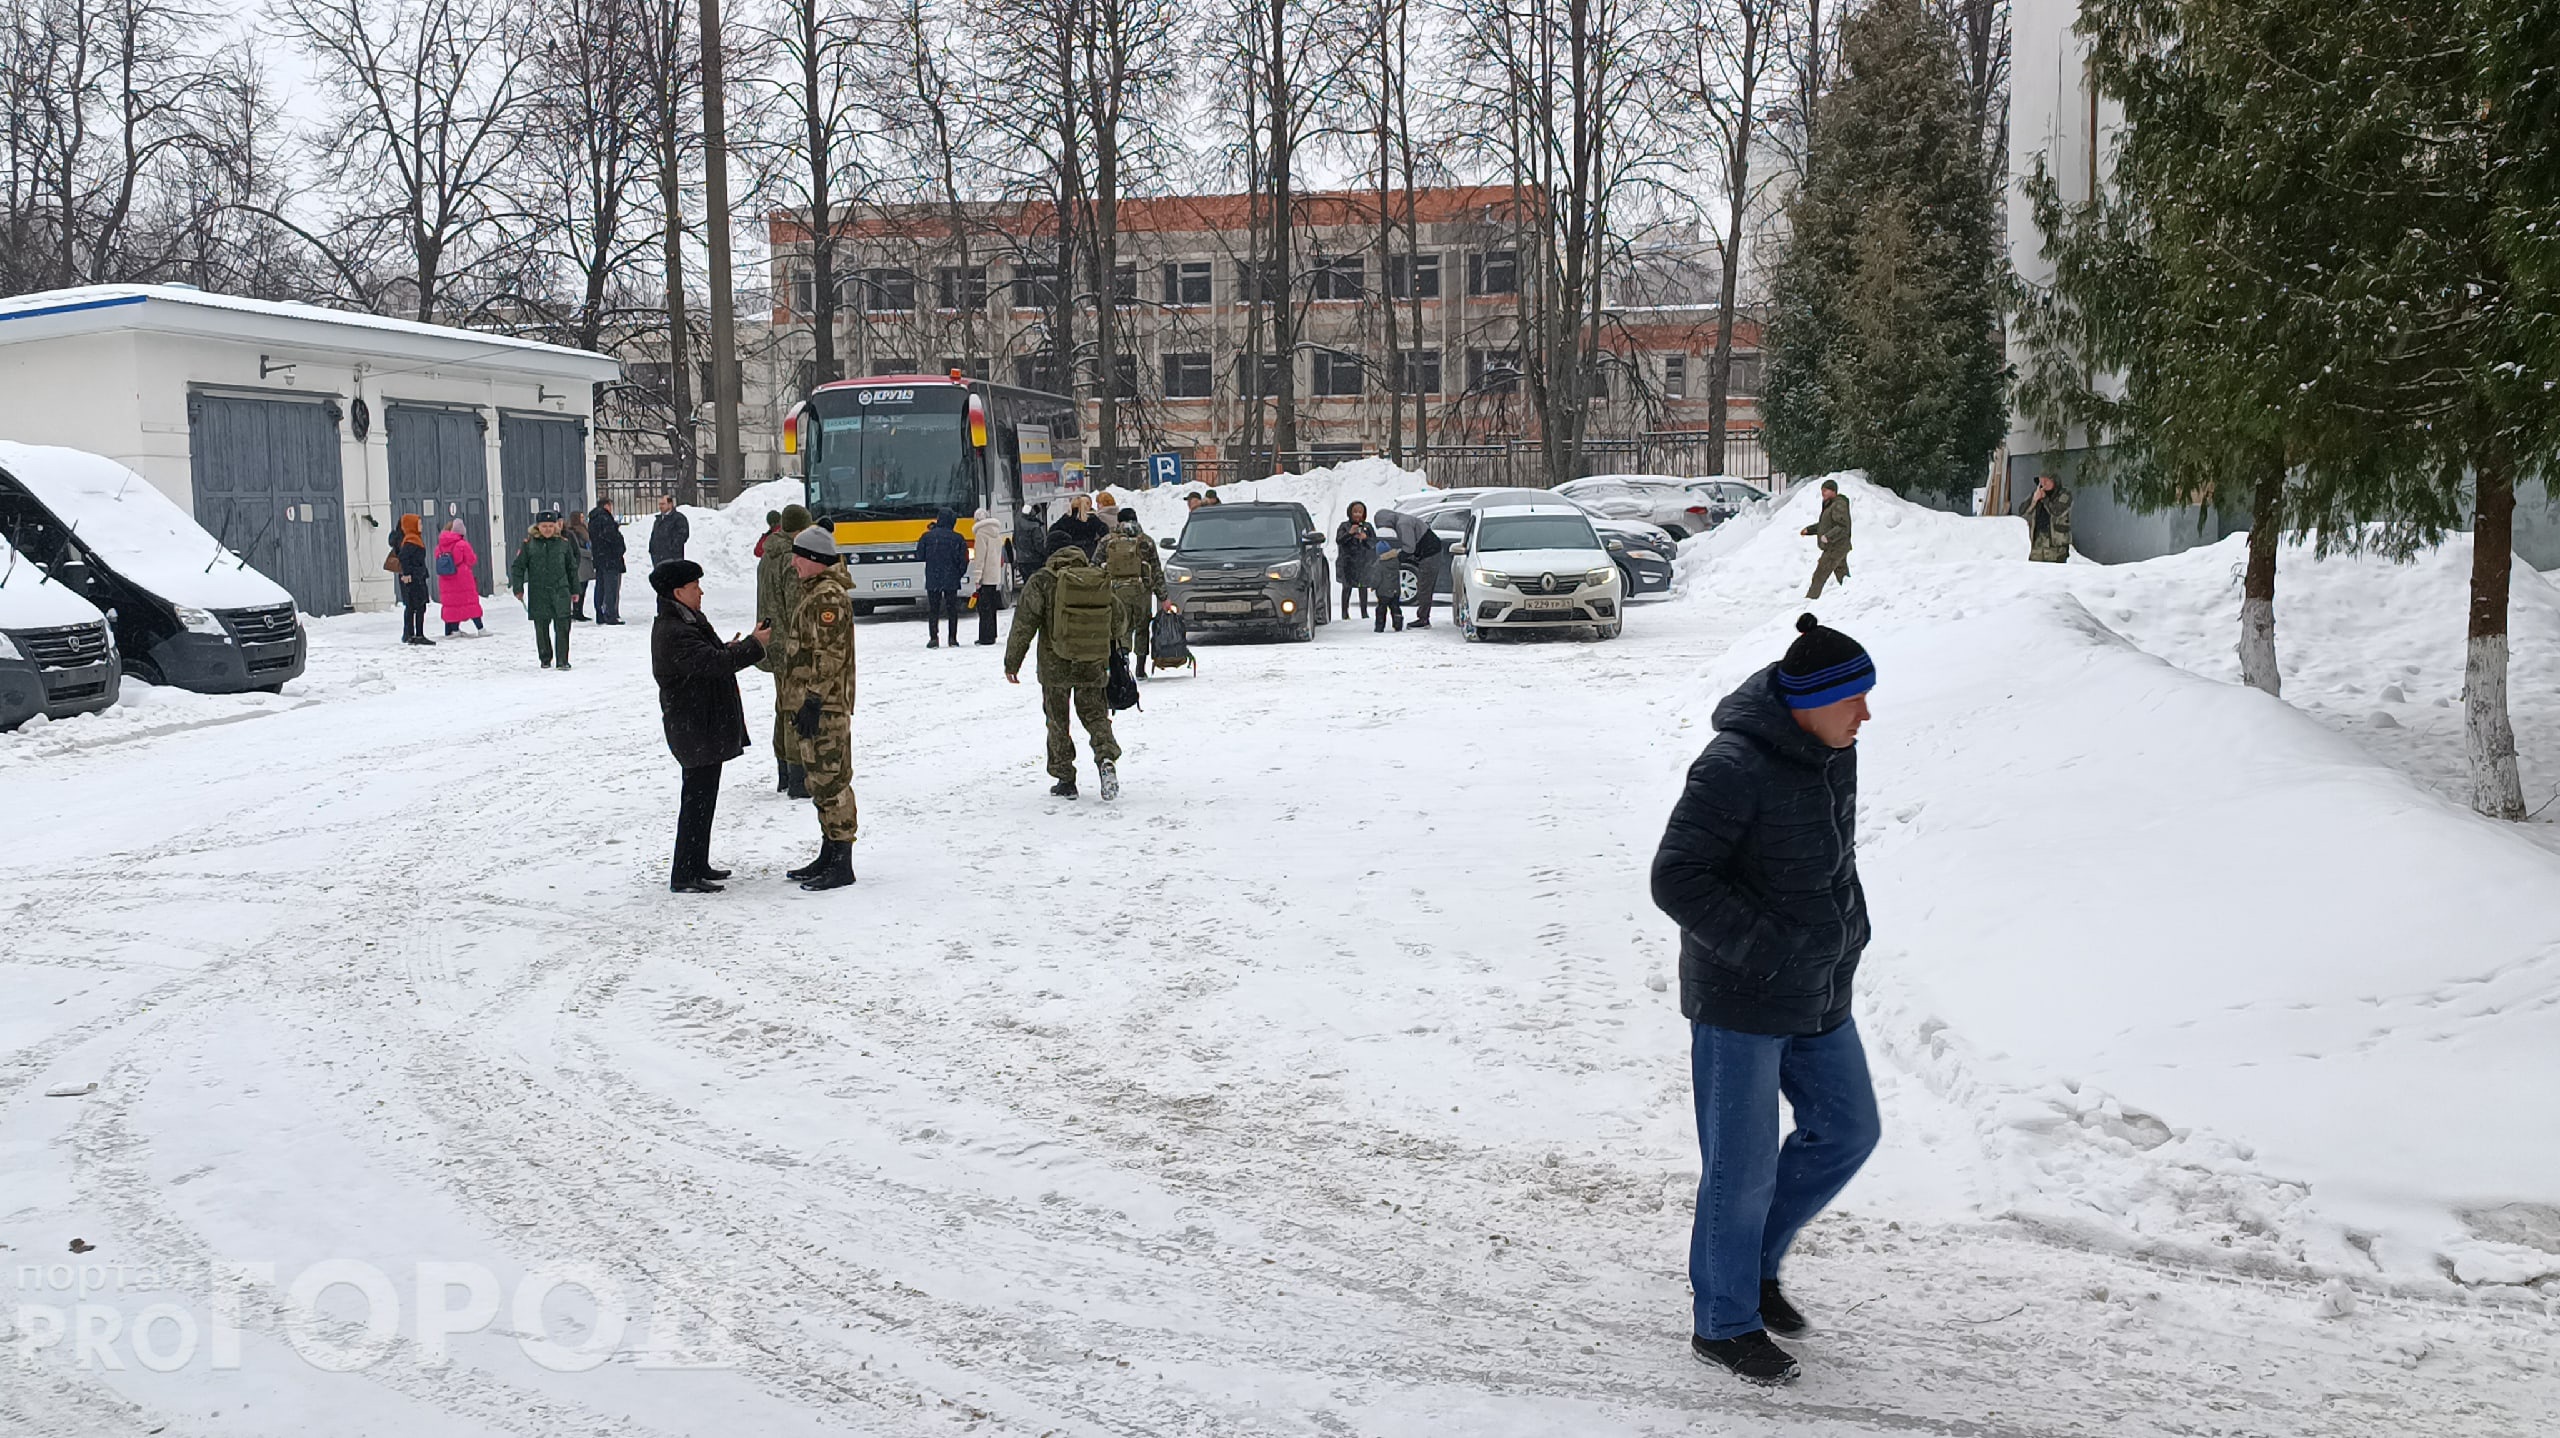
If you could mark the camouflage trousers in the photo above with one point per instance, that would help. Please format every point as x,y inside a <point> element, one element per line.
<point>1142,604</point>
<point>1093,706</point>
<point>786,740</point>
<point>829,758</point>
<point>1834,564</point>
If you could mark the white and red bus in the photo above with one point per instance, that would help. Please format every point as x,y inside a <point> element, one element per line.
<point>883,456</point>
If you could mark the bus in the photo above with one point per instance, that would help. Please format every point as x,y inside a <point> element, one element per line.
<point>883,456</point>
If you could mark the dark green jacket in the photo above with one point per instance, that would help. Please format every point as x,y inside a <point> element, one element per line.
<point>544,574</point>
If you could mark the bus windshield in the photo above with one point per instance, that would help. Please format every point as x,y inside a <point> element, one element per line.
<point>891,453</point>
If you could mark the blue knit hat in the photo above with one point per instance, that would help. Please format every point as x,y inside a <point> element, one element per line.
<point>1823,666</point>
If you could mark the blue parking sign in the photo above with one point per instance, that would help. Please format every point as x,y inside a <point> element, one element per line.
<point>1165,468</point>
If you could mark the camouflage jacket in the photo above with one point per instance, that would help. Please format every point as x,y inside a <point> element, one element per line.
<point>1831,531</point>
<point>1035,612</point>
<point>818,647</point>
<point>1150,578</point>
<point>776,587</point>
<point>2049,526</point>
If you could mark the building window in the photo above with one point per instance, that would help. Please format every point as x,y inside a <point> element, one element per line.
<point>1493,371</point>
<point>1036,372</point>
<point>1414,277</point>
<point>1744,377</point>
<point>1124,376</point>
<point>1187,376</point>
<point>889,291</point>
<point>1337,373</point>
<point>1675,376</point>
<point>1344,277</point>
<point>956,288</point>
<point>975,366</point>
<point>1493,272</point>
<point>804,293</point>
<point>1124,284</point>
<point>1251,285</point>
<point>1417,371</point>
<point>653,378</point>
<point>702,373</point>
<point>1035,287</point>
<point>1186,282</point>
<point>1259,376</point>
<point>1324,454</point>
<point>894,364</point>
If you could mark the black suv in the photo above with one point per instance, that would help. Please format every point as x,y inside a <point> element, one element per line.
<point>1251,566</point>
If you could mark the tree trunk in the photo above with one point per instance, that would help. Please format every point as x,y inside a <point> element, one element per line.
<point>1284,329</point>
<point>724,319</point>
<point>2258,587</point>
<point>2488,736</point>
<point>822,211</point>
<point>1737,201</point>
<point>679,395</point>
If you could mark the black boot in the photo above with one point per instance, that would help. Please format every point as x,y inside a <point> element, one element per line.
<point>836,867</point>
<point>1064,789</point>
<point>826,849</point>
<point>1750,1357</point>
<point>1778,1315</point>
<point>798,788</point>
<point>782,776</point>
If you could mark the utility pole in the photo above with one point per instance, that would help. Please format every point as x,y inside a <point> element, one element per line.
<point>724,317</point>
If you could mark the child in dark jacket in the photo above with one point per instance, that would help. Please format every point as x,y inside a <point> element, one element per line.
<point>1384,574</point>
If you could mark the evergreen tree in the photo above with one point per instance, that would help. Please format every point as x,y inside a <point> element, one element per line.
<point>1884,344</point>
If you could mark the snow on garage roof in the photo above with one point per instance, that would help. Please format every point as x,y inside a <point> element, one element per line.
<point>179,309</point>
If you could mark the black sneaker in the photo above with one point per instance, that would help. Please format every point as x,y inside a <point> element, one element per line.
<point>1063,789</point>
<point>1750,1357</point>
<point>1777,1315</point>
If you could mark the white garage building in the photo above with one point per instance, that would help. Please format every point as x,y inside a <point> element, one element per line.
<point>297,435</point>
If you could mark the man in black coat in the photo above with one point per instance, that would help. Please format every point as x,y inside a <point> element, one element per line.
<point>1759,866</point>
<point>607,548</point>
<point>945,553</point>
<point>668,535</point>
<point>698,698</point>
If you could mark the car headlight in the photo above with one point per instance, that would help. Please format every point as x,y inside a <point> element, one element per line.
<point>9,652</point>
<point>1496,579</point>
<point>1177,574</point>
<point>197,621</point>
<point>1602,575</point>
<point>1288,570</point>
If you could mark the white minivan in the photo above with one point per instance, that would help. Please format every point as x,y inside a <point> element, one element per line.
<point>1534,566</point>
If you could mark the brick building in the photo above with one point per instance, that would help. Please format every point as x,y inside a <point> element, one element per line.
<point>1194,348</point>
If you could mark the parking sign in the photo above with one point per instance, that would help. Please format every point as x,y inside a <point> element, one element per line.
<point>1165,468</point>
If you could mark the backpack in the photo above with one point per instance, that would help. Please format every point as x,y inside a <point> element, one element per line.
<point>444,563</point>
<point>1081,615</point>
<point>1168,646</point>
<point>1122,690</point>
<point>1123,559</point>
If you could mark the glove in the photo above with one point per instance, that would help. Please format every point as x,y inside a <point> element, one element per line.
<point>804,722</point>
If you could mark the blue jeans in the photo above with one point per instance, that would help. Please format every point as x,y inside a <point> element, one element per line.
<point>609,597</point>
<point>1753,1194</point>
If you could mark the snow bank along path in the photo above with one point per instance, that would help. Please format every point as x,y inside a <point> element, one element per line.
<point>1332,1082</point>
<point>2208,975</point>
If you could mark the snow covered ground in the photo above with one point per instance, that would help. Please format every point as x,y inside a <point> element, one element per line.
<point>1330,1083</point>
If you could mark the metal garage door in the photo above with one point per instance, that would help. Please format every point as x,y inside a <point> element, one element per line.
<point>268,483</point>
<point>542,464</point>
<point>440,472</point>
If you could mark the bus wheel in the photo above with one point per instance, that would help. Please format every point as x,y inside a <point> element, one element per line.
<point>862,610</point>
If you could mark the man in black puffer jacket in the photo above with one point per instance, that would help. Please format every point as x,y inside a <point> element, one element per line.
<point>1759,865</point>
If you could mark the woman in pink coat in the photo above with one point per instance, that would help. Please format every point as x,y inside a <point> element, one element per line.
<point>457,579</point>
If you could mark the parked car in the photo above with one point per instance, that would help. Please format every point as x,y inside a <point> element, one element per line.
<point>1534,566</point>
<point>1729,497</point>
<point>1644,553</point>
<point>1685,507</point>
<point>1258,566</point>
<point>186,611</point>
<point>57,652</point>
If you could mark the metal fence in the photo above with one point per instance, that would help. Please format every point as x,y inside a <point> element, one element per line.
<point>1517,463</point>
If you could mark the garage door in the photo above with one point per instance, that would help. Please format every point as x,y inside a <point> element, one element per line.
<point>440,472</point>
<point>269,485</point>
<point>542,464</point>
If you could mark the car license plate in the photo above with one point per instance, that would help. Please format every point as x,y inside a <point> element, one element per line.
<point>879,584</point>
<point>1546,604</point>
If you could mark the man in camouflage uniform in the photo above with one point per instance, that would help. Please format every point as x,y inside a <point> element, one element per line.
<point>777,590</point>
<point>2049,523</point>
<point>1137,578</point>
<point>546,563</point>
<point>1070,605</point>
<point>817,676</point>
<point>1831,531</point>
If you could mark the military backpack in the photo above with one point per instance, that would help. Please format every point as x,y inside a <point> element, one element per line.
<point>1124,559</point>
<point>1081,621</point>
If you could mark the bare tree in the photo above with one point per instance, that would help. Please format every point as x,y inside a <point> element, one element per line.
<point>1125,59</point>
<point>585,146</point>
<point>817,95</point>
<point>673,64</point>
<point>1728,52</point>
<point>418,142</point>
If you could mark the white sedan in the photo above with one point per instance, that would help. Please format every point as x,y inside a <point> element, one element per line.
<point>1534,566</point>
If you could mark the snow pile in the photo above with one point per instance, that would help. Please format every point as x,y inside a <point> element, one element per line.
<point>2201,973</point>
<point>29,600</point>
<point>138,530</point>
<point>1761,555</point>
<point>1327,493</point>
<point>722,540</point>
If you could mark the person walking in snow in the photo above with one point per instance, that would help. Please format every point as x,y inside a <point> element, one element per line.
<point>1137,579</point>
<point>2049,522</point>
<point>1070,607</point>
<point>611,553</point>
<point>1355,553</point>
<point>544,575</point>
<point>1758,867</point>
<point>698,703</point>
<point>1831,533</point>
<point>990,550</point>
<point>945,552</point>
<point>458,579</point>
<point>668,534</point>
<point>409,552</point>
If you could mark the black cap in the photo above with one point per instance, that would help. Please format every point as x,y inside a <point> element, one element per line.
<point>673,575</point>
<point>1823,666</point>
